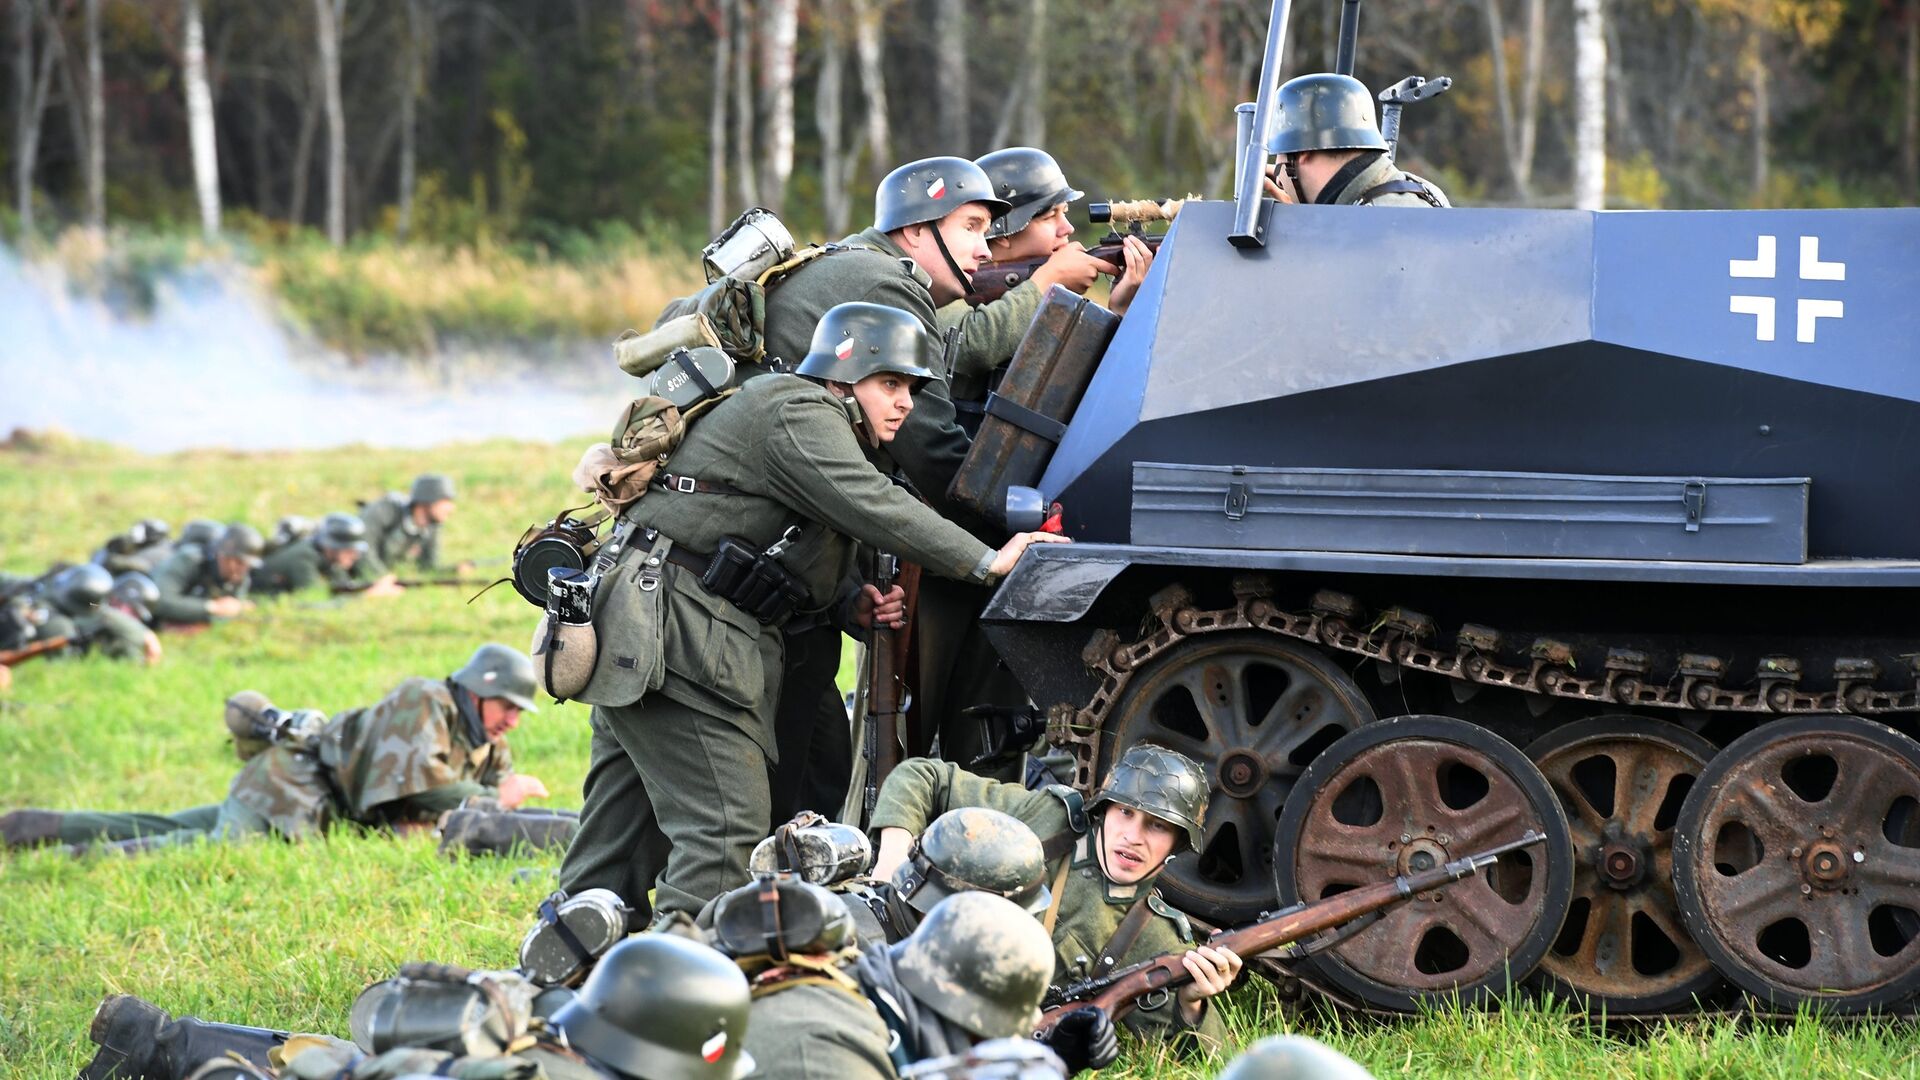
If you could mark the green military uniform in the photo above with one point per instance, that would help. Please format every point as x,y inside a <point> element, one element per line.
<point>302,565</point>
<point>1362,186</point>
<point>989,334</point>
<point>393,537</point>
<point>685,682</point>
<point>341,1060</point>
<point>412,755</point>
<point>1090,906</point>
<point>106,630</point>
<point>814,1029</point>
<point>187,580</point>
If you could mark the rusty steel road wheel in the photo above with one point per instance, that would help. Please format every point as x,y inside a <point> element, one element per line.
<point>1253,709</point>
<point>1623,947</point>
<point>1796,861</point>
<point>1407,794</point>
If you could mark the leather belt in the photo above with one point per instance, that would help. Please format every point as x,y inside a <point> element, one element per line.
<point>688,485</point>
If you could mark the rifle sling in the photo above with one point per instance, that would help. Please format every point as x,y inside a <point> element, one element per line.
<point>1124,936</point>
<point>1059,890</point>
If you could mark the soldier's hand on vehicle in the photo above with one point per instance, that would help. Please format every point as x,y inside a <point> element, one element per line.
<point>517,788</point>
<point>871,608</point>
<point>1072,267</point>
<point>1139,257</point>
<point>227,607</point>
<point>150,649</point>
<point>895,845</point>
<point>1011,551</point>
<point>385,586</point>
<point>1213,970</point>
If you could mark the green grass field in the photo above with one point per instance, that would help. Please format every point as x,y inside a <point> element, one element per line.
<point>274,934</point>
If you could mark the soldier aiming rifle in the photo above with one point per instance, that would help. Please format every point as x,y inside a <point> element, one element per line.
<point>994,279</point>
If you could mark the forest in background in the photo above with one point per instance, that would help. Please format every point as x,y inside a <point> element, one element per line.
<point>586,130</point>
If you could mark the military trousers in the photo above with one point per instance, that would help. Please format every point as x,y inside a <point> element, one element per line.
<point>811,729</point>
<point>675,799</point>
<point>959,668</point>
<point>217,821</point>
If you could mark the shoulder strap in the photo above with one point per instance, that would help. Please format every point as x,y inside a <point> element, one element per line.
<point>1059,890</point>
<point>1402,186</point>
<point>1124,935</point>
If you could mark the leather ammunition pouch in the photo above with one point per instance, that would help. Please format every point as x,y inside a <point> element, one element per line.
<point>753,581</point>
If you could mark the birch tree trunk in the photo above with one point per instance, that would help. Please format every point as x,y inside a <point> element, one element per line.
<point>1530,92</point>
<point>867,41</point>
<point>96,153</point>
<point>200,133</point>
<point>410,83</point>
<point>950,33</point>
<point>717,121</point>
<point>1910,124</point>
<point>743,164</point>
<point>780,22</point>
<point>326,14</point>
<point>1762,120</point>
<point>1032,125</point>
<point>1589,105</point>
<point>828,117</point>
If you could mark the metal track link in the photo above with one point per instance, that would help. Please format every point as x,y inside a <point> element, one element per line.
<point>1399,638</point>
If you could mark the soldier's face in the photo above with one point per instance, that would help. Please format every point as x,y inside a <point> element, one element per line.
<point>439,511</point>
<point>1044,235</point>
<point>965,233</point>
<point>1133,845</point>
<point>886,398</point>
<point>233,569</point>
<point>498,716</point>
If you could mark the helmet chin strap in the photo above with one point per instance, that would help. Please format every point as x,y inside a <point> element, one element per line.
<point>959,275</point>
<point>857,416</point>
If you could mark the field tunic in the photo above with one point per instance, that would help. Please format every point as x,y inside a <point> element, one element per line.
<point>394,538</point>
<point>407,757</point>
<point>108,631</point>
<point>301,565</point>
<point>187,580</point>
<point>814,1032</point>
<point>1379,171</point>
<point>1091,907</point>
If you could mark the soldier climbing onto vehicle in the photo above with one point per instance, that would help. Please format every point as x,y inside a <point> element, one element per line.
<point>1104,855</point>
<point>686,677</point>
<point>400,763</point>
<point>200,584</point>
<point>1331,150</point>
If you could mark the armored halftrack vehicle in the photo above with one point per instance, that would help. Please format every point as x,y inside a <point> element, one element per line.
<point>1421,529</point>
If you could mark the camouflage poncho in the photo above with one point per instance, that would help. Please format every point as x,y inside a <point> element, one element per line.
<point>365,761</point>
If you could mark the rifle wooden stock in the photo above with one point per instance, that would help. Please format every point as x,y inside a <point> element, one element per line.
<point>14,657</point>
<point>1117,993</point>
<point>992,280</point>
<point>886,692</point>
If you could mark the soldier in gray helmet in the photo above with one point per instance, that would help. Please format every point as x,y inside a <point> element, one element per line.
<point>755,518</point>
<point>141,548</point>
<point>974,971</point>
<point>405,527</point>
<point>134,594</point>
<point>79,613</point>
<point>967,849</point>
<point>1331,150</point>
<point>201,532</point>
<point>1103,856</point>
<point>200,584</point>
<point>658,1007</point>
<point>930,220</point>
<point>423,749</point>
<point>335,555</point>
<point>1293,1057</point>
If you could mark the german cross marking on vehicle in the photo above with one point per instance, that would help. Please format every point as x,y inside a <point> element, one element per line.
<point>1807,311</point>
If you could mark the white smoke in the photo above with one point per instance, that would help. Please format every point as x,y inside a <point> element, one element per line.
<point>212,366</point>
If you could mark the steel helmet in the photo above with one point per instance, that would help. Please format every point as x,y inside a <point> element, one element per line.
<point>1293,1057</point>
<point>930,189</point>
<point>853,341</point>
<point>201,531</point>
<point>1325,112</point>
<point>137,588</point>
<point>974,849</point>
<point>341,532</point>
<point>241,541</point>
<point>1158,781</point>
<point>496,671</point>
<point>662,1007</point>
<point>79,589</point>
<point>981,962</point>
<point>430,488</point>
<point>1030,181</point>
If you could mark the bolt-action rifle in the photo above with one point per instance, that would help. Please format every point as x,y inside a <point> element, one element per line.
<point>993,279</point>
<point>410,583</point>
<point>886,689</point>
<point>15,657</point>
<point>1119,991</point>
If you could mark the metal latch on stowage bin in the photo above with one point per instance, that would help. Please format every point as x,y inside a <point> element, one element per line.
<point>1694,495</point>
<point>1236,507</point>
